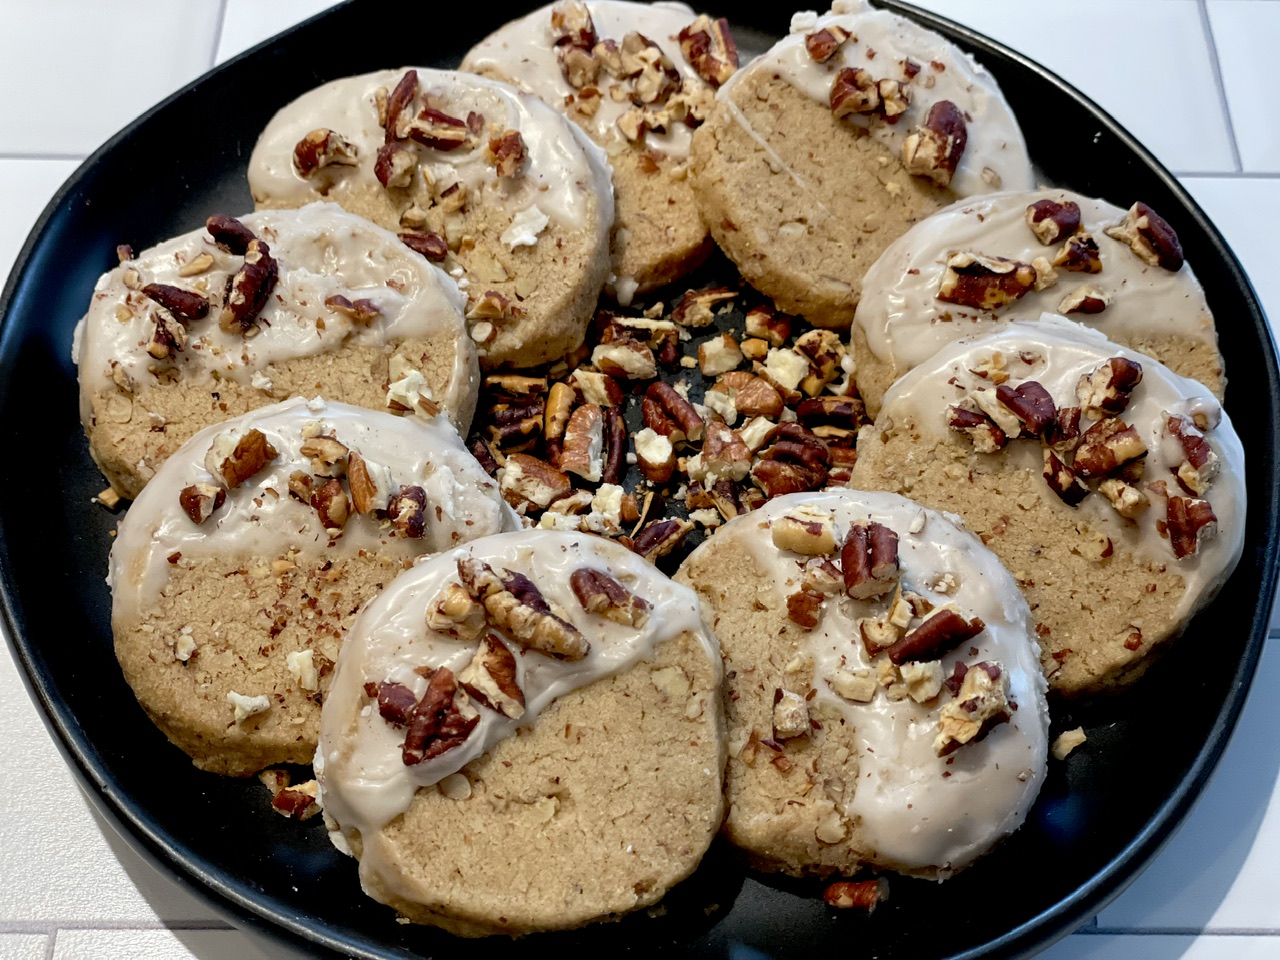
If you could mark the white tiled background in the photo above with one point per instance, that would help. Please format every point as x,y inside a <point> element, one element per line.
<point>1193,79</point>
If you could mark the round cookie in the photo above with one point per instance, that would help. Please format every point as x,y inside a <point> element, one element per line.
<point>230,595</point>
<point>335,305</point>
<point>871,718</point>
<point>802,200</point>
<point>511,199</point>
<point>1121,523</point>
<point>585,59</point>
<point>904,319</point>
<point>525,786</point>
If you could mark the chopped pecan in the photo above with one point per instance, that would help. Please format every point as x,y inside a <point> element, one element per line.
<point>625,359</point>
<point>1127,500</point>
<point>854,90</point>
<point>301,486</point>
<point>1189,521</point>
<point>395,701</point>
<point>977,426</point>
<point>823,44</point>
<point>1201,463</point>
<point>492,305</point>
<point>490,678</point>
<point>804,607</point>
<point>986,283</point>
<point>322,148</point>
<point>655,456</point>
<point>723,452</point>
<point>571,25</point>
<point>362,312</point>
<point>455,613</point>
<point>653,76</point>
<point>942,631</point>
<point>790,715</point>
<point>1062,480</point>
<point>709,48</point>
<point>1063,433</point>
<point>1149,236</point>
<point>863,895</point>
<point>436,725</point>
<point>1106,446</point>
<point>200,500</point>
<point>229,234</point>
<point>331,505</point>
<point>168,337</point>
<point>407,510</point>
<point>395,164</point>
<point>1050,221</point>
<point>751,396</point>
<point>805,531</point>
<point>768,324</point>
<point>601,594</point>
<point>869,559</point>
<point>526,480</point>
<point>934,150</point>
<point>1106,391</point>
<point>1030,403</point>
<point>249,288</point>
<point>981,704</point>
<point>402,96</point>
<point>436,129</point>
<point>583,451</point>
<point>508,153</point>
<point>894,99</point>
<point>430,245</point>
<point>1087,299</point>
<point>877,634</point>
<point>668,401</point>
<point>250,454</point>
<point>328,455</point>
<point>579,67</point>
<point>1079,254</point>
<point>661,537</point>
<point>615,446</point>
<point>518,608</point>
<point>696,308</point>
<point>824,350</point>
<point>185,305</point>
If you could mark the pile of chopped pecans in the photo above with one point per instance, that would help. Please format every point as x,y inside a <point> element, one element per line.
<point>665,424</point>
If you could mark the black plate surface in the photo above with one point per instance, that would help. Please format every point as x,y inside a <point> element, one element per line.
<point>1102,816</point>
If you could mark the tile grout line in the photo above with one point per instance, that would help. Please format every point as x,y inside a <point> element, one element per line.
<point>1226,174</point>
<point>21,155</point>
<point>1206,25</point>
<point>51,945</point>
<point>217,32</point>
<point>51,928</point>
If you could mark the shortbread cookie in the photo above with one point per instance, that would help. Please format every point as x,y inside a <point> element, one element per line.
<point>1013,256</point>
<point>1120,512</point>
<point>824,150</point>
<point>237,571</point>
<point>218,322</point>
<point>525,734</point>
<point>885,702</point>
<point>637,78</point>
<point>489,182</point>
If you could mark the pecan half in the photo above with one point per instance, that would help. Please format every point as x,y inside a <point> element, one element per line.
<point>249,288</point>
<point>1050,221</point>
<point>490,678</point>
<point>322,148</point>
<point>661,537</point>
<point>185,305</point>
<point>518,608</point>
<point>1106,446</point>
<point>986,283</point>
<point>200,500</point>
<point>1189,522</point>
<point>667,400</point>
<point>615,446</point>
<point>1062,480</point>
<point>601,594</point>
<point>941,632</point>
<point>934,150</point>
<point>229,234</point>
<point>869,559</point>
<point>583,451</point>
<point>1149,236</point>
<point>709,48</point>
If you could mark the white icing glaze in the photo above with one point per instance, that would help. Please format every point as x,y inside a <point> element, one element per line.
<point>364,780</point>
<point>1062,352</point>
<point>912,815</point>
<point>994,140</point>
<point>524,51</point>
<point>563,172</point>
<point>254,523</point>
<point>322,251</point>
<point>905,323</point>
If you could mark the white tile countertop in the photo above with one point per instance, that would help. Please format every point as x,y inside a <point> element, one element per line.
<point>1190,78</point>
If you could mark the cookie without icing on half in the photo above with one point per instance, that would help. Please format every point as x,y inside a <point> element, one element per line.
<point>845,751</point>
<point>549,789</point>
<point>902,321</point>
<point>658,234</point>
<point>803,201</point>
<point>510,198</point>
<point>227,628</point>
<point>347,307</point>
<point>1155,472</point>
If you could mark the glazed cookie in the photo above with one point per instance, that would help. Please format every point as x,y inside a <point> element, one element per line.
<point>885,702</point>
<point>1119,524</point>
<point>637,78</point>
<point>824,150</point>
<point>487,181</point>
<point>525,734</point>
<point>238,569</point>
<point>221,321</point>
<point>1012,256</point>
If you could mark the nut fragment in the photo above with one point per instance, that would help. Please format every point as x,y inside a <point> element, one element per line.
<point>854,90</point>
<point>1127,500</point>
<point>508,153</point>
<point>981,704</point>
<point>407,511</point>
<point>1106,390</point>
<point>185,305</point>
<point>299,802</point>
<point>1062,480</point>
<point>1189,522</point>
<point>395,164</point>
<point>234,463</point>
<point>1106,446</point>
<point>696,308</point>
<point>517,607</point>
<point>862,895</point>
<point>790,715</point>
<point>709,48</point>
<point>668,401</point>
<point>823,44</point>
<point>200,500</point>
<point>804,607</point>
<point>571,25</point>
<point>229,234</point>
<point>436,129</point>
<point>362,312</point>
<point>1050,221</point>
<point>894,99</point>
<point>1201,463</point>
<point>322,148</point>
<point>768,324</point>
<point>625,359</point>
<point>430,245</point>
<point>1030,403</point>
<point>249,288</point>
<point>942,631</point>
<point>490,678</point>
<point>583,452</point>
<point>965,418</point>
<point>869,559</point>
<point>1149,236</point>
<point>987,283</point>
<point>806,531</point>
<point>437,724</point>
<point>455,613</point>
<point>1079,254</point>
<point>601,594</point>
<point>1066,742</point>
<point>934,149</point>
<point>328,455</point>
<point>526,480</point>
<point>1087,299</point>
<point>661,537</point>
<point>331,505</point>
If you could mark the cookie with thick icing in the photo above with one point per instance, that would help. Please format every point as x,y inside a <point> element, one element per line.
<point>525,734</point>
<point>824,150</point>
<point>885,702</point>
<point>489,182</point>
<point>1112,488</point>
<point>238,569</point>
<point>245,313</point>
<point>629,75</point>
<point>1012,256</point>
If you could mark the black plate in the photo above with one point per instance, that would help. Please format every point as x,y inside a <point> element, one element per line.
<point>1101,817</point>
